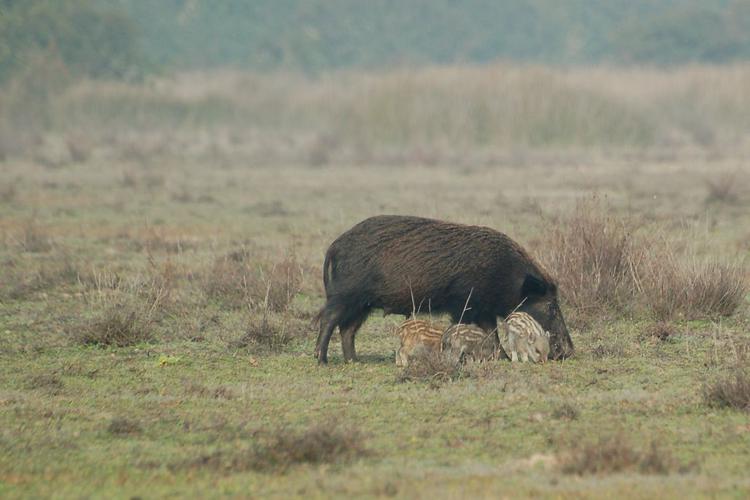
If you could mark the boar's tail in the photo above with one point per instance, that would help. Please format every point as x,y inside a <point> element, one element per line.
<point>327,279</point>
<point>328,269</point>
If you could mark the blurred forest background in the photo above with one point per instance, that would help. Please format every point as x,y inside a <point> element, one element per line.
<point>379,81</point>
<point>105,38</point>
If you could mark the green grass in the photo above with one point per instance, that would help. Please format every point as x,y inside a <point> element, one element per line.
<point>462,437</point>
<point>189,412</point>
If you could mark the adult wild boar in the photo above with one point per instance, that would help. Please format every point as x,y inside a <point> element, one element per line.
<point>396,263</point>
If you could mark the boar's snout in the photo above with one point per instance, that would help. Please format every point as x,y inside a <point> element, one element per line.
<point>561,345</point>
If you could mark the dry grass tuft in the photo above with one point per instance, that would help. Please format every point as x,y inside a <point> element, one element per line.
<point>661,331</point>
<point>121,426</point>
<point>615,454</point>
<point>277,451</point>
<point>8,193</point>
<point>432,367</point>
<point>34,238</point>
<point>592,255</point>
<point>731,390</point>
<point>237,280</point>
<point>119,325</point>
<point>269,332</point>
<point>315,445</point>
<point>690,288</point>
<point>79,148</point>
<point>202,391</point>
<point>722,188</point>
<point>611,349</point>
<point>22,277</point>
<point>49,382</point>
<point>566,411</point>
<point>602,264</point>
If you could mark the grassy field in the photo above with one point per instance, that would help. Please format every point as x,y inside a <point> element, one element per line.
<point>156,336</point>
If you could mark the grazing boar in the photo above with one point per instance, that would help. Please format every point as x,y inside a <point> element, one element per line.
<point>462,342</point>
<point>525,338</point>
<point>395,263</point>
<point>417,335</point>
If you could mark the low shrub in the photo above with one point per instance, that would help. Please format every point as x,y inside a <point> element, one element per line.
<point>613,454</point>
<point>121,426</point>
<point>278,450</point>
<point>593,254</point>
<point>565,411</point>
<point>602,264</point>
<point>119,325</point>
<point>430,366</point>
<point>269,331</point>
<point>237,280</point>
<point>730,391</point>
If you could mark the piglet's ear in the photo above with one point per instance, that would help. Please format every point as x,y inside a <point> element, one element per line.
<point>533,286</point>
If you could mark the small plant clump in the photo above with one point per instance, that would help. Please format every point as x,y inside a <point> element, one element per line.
<point>315,445</point>
<point>566,411</point>
<point>269,332</point>
<point>603,264</point>
<point>121,426</point>
<point>278,450</point>
<point>731,390</point>
<point>48,382</point>
<point>120,325</point>
<point>661,331</point>
<point>614,454</point>
<point>432,367</point>
<point>237,280</point>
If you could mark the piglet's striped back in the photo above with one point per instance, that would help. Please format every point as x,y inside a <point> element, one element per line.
<point>417,334</point>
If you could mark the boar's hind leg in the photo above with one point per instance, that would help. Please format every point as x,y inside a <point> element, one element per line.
<point>348,331</point>
<point>329,319</point>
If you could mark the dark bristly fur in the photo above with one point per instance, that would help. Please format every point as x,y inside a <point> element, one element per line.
<point>395,263</point>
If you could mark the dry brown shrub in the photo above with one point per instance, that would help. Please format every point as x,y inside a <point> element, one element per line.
<point>566,411</point>
<point>722,188</point>
<point>592,255</point>
<point>271,332</point>
<point>612,348</point>
<point>120,325</point>
<point>34,238</point>
<point>197,389</point>
<point>79,148</point>
<point>661,331</point>
<point>8,192</point>
<point>432,367</point>
<point>49,382</point>
<point>279,450</point>
<point>159,286</point>
<point>613,454</point>
<point>121,426</point>
<point>731,390</point>
<point>602,264</point>
<point>237,280</point>
<point>687,287</point>
<point>315,445</point>
<point>129,179</point>
<point>22,277</point>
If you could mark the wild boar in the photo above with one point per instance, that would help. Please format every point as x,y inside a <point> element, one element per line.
<point>396,263</point>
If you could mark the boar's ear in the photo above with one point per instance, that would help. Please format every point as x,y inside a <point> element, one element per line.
<point>533,286</point>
